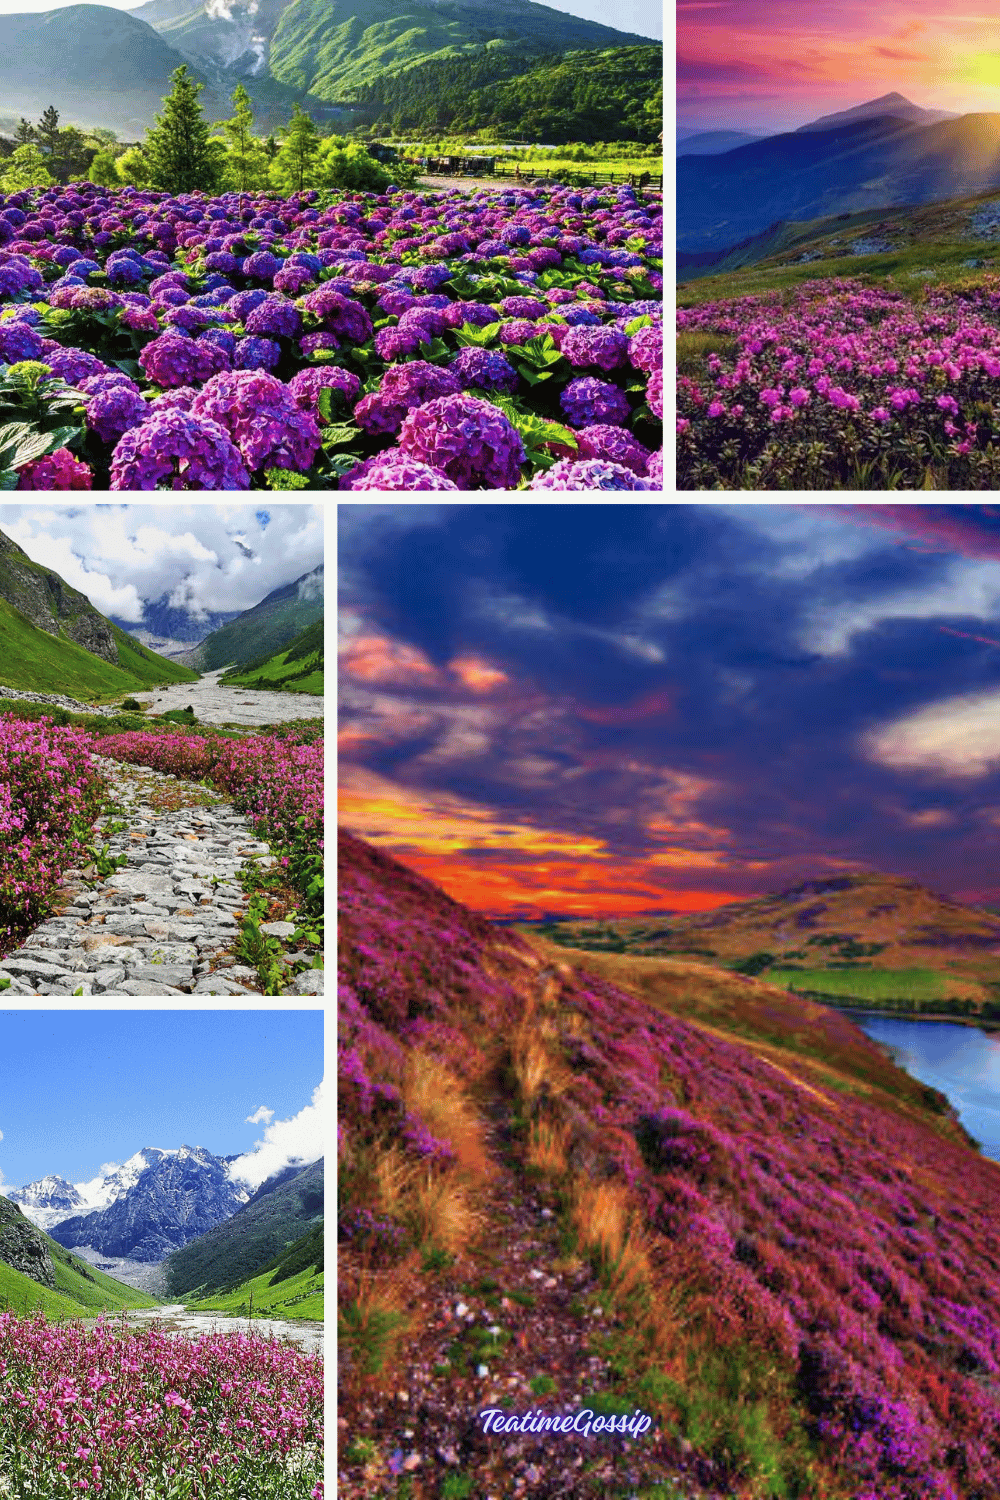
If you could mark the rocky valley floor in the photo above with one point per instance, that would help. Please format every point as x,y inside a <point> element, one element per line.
<point>165,922</point>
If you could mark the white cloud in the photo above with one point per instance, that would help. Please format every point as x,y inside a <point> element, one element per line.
<point>965,590</point>
<point>300,1139</point>
<point>204,558</point>
<point>953,737</point>
<point>261,1116</point>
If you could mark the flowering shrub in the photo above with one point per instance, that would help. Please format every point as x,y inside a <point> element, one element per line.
<point>139,1415</point>
<point>838,385</point>
<point>538,304</point>
<point>50,794</point>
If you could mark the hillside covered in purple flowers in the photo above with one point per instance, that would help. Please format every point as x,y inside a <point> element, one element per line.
<point>763,1233</point>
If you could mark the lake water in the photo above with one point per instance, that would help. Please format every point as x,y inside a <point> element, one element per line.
<point>962,1061</point>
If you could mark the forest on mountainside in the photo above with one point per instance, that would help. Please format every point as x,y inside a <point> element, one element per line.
<point>609,95</point>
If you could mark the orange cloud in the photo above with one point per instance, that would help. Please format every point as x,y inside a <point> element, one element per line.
<point>476,674</point>
<point>513,868</point>
<point>375,658</point>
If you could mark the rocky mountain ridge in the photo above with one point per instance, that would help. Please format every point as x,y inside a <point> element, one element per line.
<point>51,604</point>
<point>154,1203</point>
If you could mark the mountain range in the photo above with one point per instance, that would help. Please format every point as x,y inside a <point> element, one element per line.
<point>103,66</point>
<point>840,165</point>
<point>156,1202</point>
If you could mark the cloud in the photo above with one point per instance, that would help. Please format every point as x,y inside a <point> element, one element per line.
<point>202,558</point>
<point>285,1142</point>
<point>955,737</point>
<point>261,1116</point>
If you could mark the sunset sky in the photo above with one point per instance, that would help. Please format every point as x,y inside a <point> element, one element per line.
<point>607,709</point>
<point>774,66</point>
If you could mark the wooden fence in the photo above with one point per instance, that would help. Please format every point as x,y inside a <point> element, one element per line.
<point>580,177</point>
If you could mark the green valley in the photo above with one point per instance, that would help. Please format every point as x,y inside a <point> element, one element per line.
<point>35,661</point>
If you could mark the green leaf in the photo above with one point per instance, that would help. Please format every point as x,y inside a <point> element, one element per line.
<point>8,479</point>
<point>644,322</point>
<point>20,442</point>
<point>336,435</point>
<point>130,366</point>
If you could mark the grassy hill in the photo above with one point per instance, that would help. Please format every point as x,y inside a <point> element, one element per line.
<point>649,1184</point>
<point>243,1246</point>
<point>326,47</point>
<point>80,1290</point>
<point>873,939</point>
<point>35,661</point>
<point>939,243</point>
<point>299,669</point>
<point>290,1286</point>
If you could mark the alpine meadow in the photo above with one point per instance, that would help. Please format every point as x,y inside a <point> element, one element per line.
<point>838,286</point>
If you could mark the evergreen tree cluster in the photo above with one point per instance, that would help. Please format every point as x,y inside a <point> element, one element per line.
<point>608,95</point>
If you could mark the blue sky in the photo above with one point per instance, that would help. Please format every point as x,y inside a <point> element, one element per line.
<point>81,1089</point>
<point>600,709</point>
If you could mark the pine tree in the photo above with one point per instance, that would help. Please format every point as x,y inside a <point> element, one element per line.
<point>25,132</point>
<point>299,145</point>
<point>47,132</point>
<point>247,161</point>
<point>177,147</point>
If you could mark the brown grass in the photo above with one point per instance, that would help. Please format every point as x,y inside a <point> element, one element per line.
<point>431,1091</point>
<point>372,1323</point>
<point>547,1147</point>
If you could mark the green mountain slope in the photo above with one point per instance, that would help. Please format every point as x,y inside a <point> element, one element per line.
<point>97,65</point>
<point>297,670</point>
<point>34,661</point>
<point>328,46</point>
<point>271,626</point>
<point>36,1273</point>
<point>290,1286</point>
<point>278,1214</point>
<point>592,95</point>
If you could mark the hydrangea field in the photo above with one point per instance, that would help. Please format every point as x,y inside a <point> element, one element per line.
<point>836,1260</point>
<point>406,341</point>
<point>51,791</point>
<point>142,1415</point>
<point>841,386</point>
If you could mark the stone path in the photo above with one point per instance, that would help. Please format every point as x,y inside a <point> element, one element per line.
<point>164,923</point>
<point>213,704</point>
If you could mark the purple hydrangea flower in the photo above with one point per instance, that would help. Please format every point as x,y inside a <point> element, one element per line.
<point>485,368</point>
<point>262,418</point>
<point>243,304</point>
<point>113,410</point>
<point>340,314</point>
<point>604,347</point>
<point>401,388</point>
<point>615,444</point>
<point>654,469</point>
<point>470,440</point>
<point>588,401</point>
<point>18,341</point>
<point>395,470</point>
<point>587,474</point>
<point>262,265</point>
<point>71,365</point>
<point>654,393</point>
<point>274,316</point>
<point>307,384</point>
<point>645,349</point>
<point>256,354</point>
<point>174,359</point>
<point>393,343</point>
<point>177,450</point>
<point>313,341</point>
